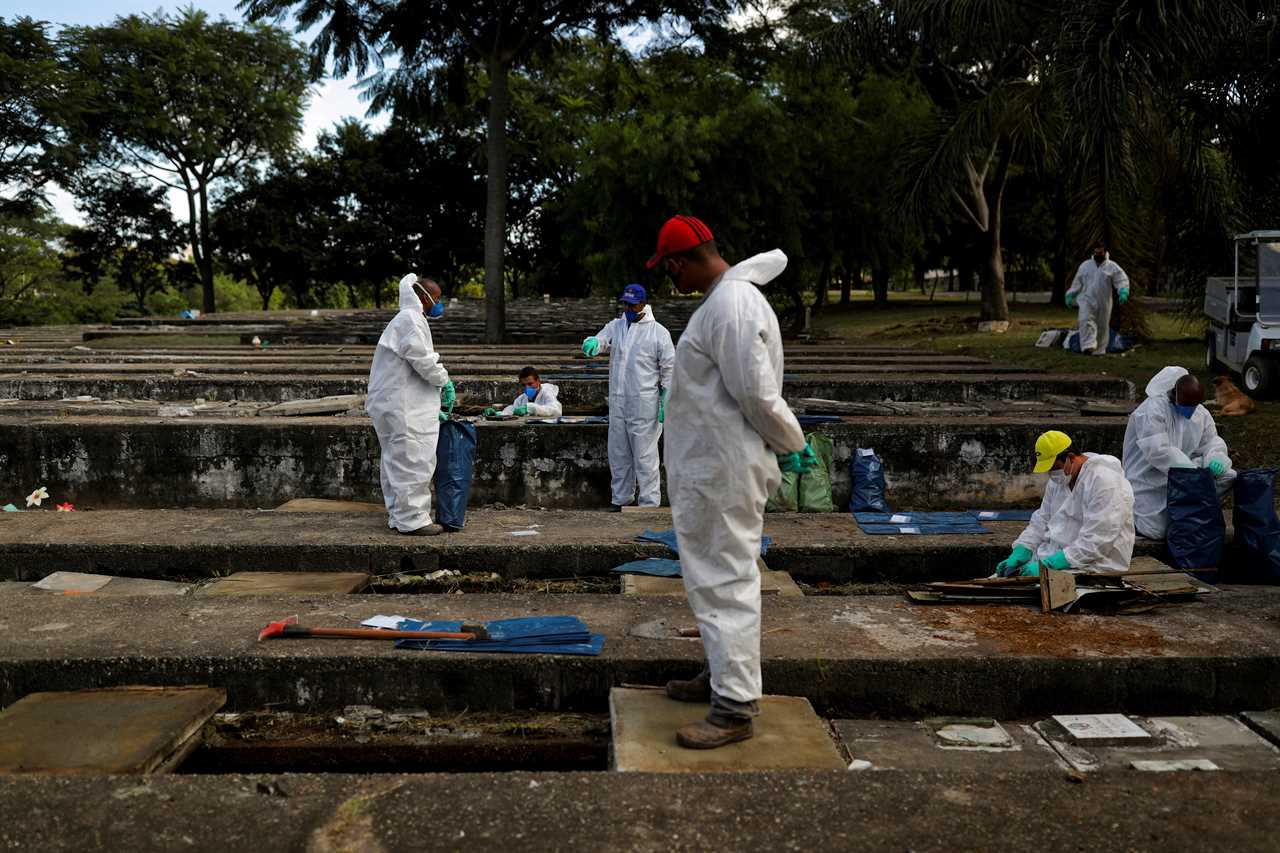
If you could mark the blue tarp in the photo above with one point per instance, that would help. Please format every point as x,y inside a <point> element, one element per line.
<point>668,538</point>
<point>918,523</point>
<point>1116,342</point>
<point>659,568</point>
<point>1002,514</point>
<point>875,529</point>
<point>811,420</point>
<point>570,420</point>
<point>549,635</point>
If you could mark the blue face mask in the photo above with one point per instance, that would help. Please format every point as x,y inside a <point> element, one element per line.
<point>436,310</point>
<point>531,393</point>
<point>1185,411</point>
<point>631,316</point>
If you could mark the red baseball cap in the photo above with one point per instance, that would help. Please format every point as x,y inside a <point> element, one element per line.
<point>679,234</point>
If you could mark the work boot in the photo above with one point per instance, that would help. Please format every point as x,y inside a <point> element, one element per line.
<point>713,732</point>
<point>429,530</point>
<point>696,689</point>
<point>614,508</point>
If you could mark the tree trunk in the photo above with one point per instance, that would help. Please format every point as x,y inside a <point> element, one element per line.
<point>846,285</point>
<point>495,219</point>
<point>205,258</point>
<point>994,305</point>
<point>824,282</point>
<point>880,285</point>
<point>1062,251</point>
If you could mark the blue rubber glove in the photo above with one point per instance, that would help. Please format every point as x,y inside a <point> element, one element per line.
<point>448,395</point>
<point>1030,570</point>
<point>1071,300</point>
<point>1217,467</point>
<point>662,406</point>
<point>1124,295</point>
<point>1008,567</point>
<point>591,346</point>
<point>1057,562</point>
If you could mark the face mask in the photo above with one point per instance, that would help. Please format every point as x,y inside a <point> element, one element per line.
<point>531,393</point>
<point>436,310</point>
<point>631,316</point>
<point>1059,477</point>
<point>1185,411</point>
<point>1098,259</point>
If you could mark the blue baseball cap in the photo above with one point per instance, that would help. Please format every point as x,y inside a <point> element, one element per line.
<point>633,294</point>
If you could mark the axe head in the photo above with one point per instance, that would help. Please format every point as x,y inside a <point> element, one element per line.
<point>276,629</point>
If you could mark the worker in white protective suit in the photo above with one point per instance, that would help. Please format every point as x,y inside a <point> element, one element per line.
<point>641,357</point>
<point>1085,520</point>
<point>407,385</point>
<point>1170,430</point>
<point>1091,291</point>
<point>538,399</point>
<point>728,433</point>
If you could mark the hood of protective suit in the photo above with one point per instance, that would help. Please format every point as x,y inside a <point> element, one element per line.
<point>1101,460</point>
<point>646,316</point>
<point>761,269</point>
<point>408,299</point>
<point>1163,382</point>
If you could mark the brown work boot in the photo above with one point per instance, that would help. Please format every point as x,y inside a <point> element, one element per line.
<point>429,530</point>
<point>696,689</point>
<point>706,734</point>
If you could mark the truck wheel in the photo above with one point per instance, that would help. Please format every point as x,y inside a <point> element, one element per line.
<point>1259,376</point>
<point>1211,363</point>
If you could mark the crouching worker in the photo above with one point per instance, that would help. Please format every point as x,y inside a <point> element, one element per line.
<point>407,386</point>
<point>1085,521</point>
<point>538,398</point>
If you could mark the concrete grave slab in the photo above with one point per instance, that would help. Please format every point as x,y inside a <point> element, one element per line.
<point>1225,742</point>
<point>947,745</point>
<point>771,583</point>
<point>788,736</point>
<point>78,583</point>
<point>276,583</point>
<point>1103,730</point>
<point>62,582</point>
<point>117,730</point>
<point>1265,723</point>
<point>324,505</point>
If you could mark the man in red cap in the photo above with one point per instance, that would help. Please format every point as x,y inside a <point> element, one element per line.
<point>729,432</point>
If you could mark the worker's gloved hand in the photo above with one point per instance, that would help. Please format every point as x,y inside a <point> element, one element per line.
<point>799,461</point>
<point>1030,570</point>
<point>590,346</point>
<point>489,411</point>
<point>1124,295</point>
<point>448,396</point>
<point>1217,467</point>
<point>1057,562</point>
<point>1008,567</point>
<point>1070,300</point>
<point>522,408</point>
<point>662,406</point>
<point>808,459</point>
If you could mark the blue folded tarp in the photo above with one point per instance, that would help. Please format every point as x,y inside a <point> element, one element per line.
<point>918,523</point>
<point>811,420</point>
<point>916,529</point>
<point>571,419</point>
<point>546,635</point>
<point>668,538</point>
<point>659,568</point>
<point>1002,514</point>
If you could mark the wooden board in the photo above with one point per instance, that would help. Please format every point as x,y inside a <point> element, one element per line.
<point>278,583</point>
<point>1057,589</point>
<point>117,730</point>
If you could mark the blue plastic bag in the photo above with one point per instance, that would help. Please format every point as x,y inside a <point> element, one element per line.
<point>455,462</point>
<point>1257,537</point>
<point>867,472</point>
<point>1116,342</point>
<point>1196,527</point>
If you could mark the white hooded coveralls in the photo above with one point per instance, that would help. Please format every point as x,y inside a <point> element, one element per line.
<point>641,358</point>
<point>1092,288</point>
<point>726,420</point>
<point>1092,523</point>
<point>545,405</point>
<point>404,403</point>
<point>1156,439</point>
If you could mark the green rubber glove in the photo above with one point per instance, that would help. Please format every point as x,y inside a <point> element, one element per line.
<point>1058,562</point>
<point>808,459</point>
<point>448,413</point>
<point>489,412</point>
<point>1217,467</point>
<point>1030,570</point>
<point>523,408</point>
<point>1008,567</point>
<point>448,395</point>
<point>591,346</point>
<point>662,406</point>
<point>1071,300</point>
<point>790,463</point>
<point>1124,295</point>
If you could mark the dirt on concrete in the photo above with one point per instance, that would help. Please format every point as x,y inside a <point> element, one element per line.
<point>1025,630</point>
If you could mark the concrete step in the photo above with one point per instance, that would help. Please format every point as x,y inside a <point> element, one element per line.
<point>814,548</point>
<point>123,462</point>
<point>850,657</point>
<point>807,810</point>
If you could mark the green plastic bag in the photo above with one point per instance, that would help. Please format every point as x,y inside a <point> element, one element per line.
<point>786,499</point>
<point>815,487</point>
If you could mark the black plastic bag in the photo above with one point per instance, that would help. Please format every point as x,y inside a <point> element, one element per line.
<point>455,461</point>
<point>1257,529</point>
<point>867,473</point>
<point>1196,527</point>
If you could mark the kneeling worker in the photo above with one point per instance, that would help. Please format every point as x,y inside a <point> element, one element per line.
<point>1085,521</point>
<point>1170,430</point>
<point>407,386</point>
<point>538,399</point>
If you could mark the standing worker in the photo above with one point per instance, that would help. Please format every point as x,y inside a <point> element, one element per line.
<point>1170,430</point>
<point>1091,290</point>
<point>1085,520</point>
<point>407,386</point>
<point>641,356</point>
<point>728,420</point>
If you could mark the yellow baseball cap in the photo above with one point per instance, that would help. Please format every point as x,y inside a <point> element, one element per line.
<point>1048,446</point>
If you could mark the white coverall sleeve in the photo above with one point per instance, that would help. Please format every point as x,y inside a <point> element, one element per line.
<point>605,337</point>
<point>1077,284</point>
<point>1211,444</point>
<point>1101,524</point>
<point>412,347</point>
<point>666,360</point>
<point>1037,528</point>
<point>1120,280</point>
<point>1152,430</point>
<point>511,410</point>
<point>742,354</point>
<point>549,407</point>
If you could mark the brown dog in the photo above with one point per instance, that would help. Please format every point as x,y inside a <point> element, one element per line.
<point>1231,400</point>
